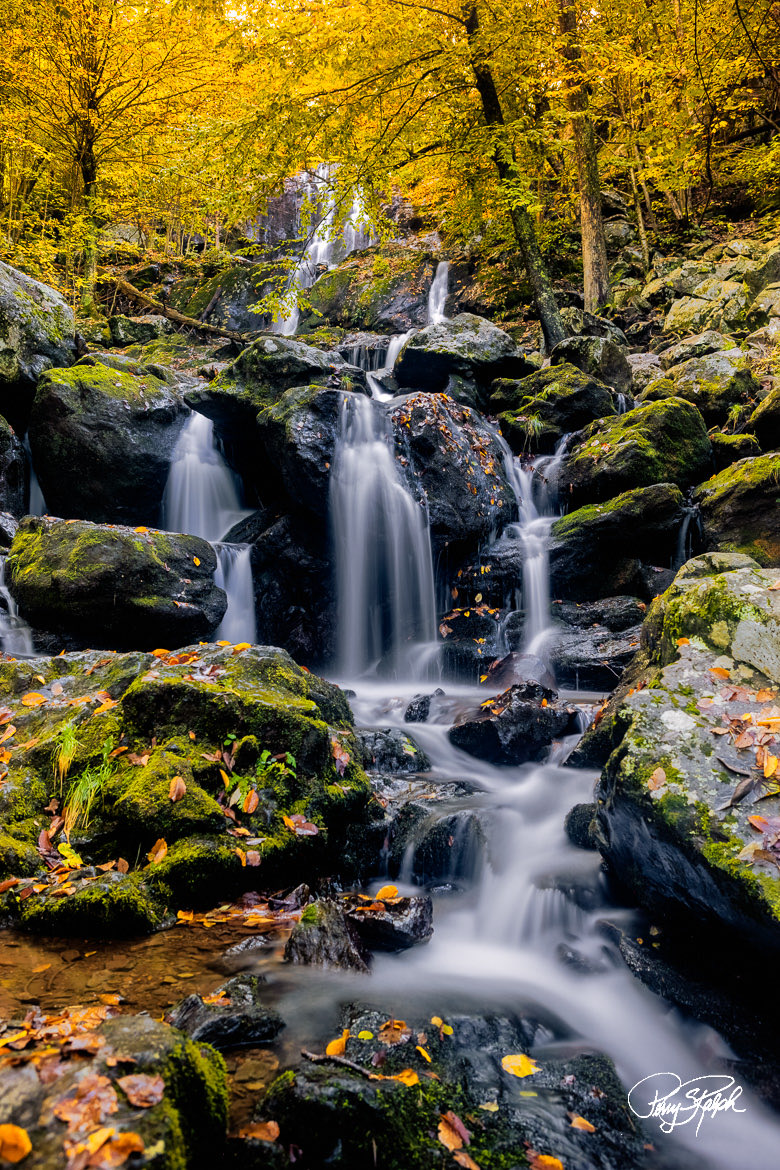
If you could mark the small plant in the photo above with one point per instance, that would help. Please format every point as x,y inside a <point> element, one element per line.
<point>64,751</point>
<point>85,790</point>
<point>271,768</point>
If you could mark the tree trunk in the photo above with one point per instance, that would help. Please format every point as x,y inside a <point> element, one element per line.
<point>594,245</point>
<point>504,159</point>
<point>640,222</point>
<point>88,164</point>
<point>148,302</point>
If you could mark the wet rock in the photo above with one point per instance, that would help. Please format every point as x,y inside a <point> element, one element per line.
<point>593,659</point>
<point>161,586</point>
<point>437,848</point>
<point>138,330</point>
<point>453,458</point>
<point>13,493</point>
<point>8,527</point>
<point>600,357</point>
<point>540,409</point>
<point>670,828</point>
<point>465,346</point>
<point>579,826</point>
<point>391,751</point>
<point>37,332</point>
<point>419,709</point>
<point>240,1017</point>
<point>298,437</point>
<point>400,924</point>
<point>765,307</point>
<point>658,442</point>
<point>697,346</point>
<point>615,613</point>
<point>728,449</point>
<point>600,550</point>
<point>764,422</point>
<point>380,289</point>
<point>714,384</point>
<point>325,937</point>
<point>518,668</point>
<point>184,1127</point>
<point>738,509</point>
<point>515,727</point>
<point>118,428</point>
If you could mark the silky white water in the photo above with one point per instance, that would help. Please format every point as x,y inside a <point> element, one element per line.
<point>15,635</point>
<point>437,296</point>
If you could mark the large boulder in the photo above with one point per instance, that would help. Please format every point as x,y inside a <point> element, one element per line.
<point>226,298</point>
<point>727,449</point>
<point>739,509</point>
<point>102,441</point>
<point>601,357</point>
<point>677,821</point>
<point>13,490</point>
<point>578,323</point>
<point>298,436</point>
<point>602,549</point>
<point>237,769</point>
<point>537,411</point>
<point>764,422</point>
<point>765,308</point>
<point>37,331</point>
<point>106,585</point>
<point>679,281</point>
<point>658,442</point>
<point>695,346</point>
<point>767,272</point>
<point>715,383</point>
<point>382,289</point>
<point>514,727</point>
<point>464,347</point>
<point>455,461</point>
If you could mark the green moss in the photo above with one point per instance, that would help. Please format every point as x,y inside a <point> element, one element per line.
<point>86,381</point>
<point>111,906</point>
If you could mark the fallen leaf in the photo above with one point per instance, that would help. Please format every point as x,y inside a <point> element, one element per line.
<point>448,1135</point>
<point>251,801</point>
<point>543,1161</point>
<point>142,1090</point>
<point>121,865</point>
<point>387,892</point>
<point>15,1143</point>
<point>196,560</point>
<point>157,852</point>
<point>338,1047</point>
<point>683,641</point>
<point>770,766</point>
<point>407,1076</point>
<point>9,731</point>
<point>578,1122</point>
<point>720,672</point>
<point>657,780</point>
<point>261,1131</point>
<point>141,528</point>
<point>465,1160</point>
<point>117,1150</point>
<point>240,647</point>
<point>423,1053</point>
<point>519,1065</point>
<point>8,884</point>
<point>33,699</point>
<point>178,789</point>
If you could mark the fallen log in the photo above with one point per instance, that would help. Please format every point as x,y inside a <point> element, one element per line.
<point>128,290</point>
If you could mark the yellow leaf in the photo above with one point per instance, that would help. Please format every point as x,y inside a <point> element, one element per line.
<point>770,766</point>
<point>446,1029</point>
<point>109,703</point>
<point>365,1035</point>
<point>423,1053</point>
<point>15,1143</point>
<point>436,1021</point>
<point>33,699</point>
<point>9,731</point>
<point>241,646</point>
<point>578,1122</point>
<point>225,777</point>
<point>387,892</point>
<point>519,1065</point>
<point>338,1047</point>
<point>157,852</point>
<point>223,642</point>
<point>490,1107</point>
<point>141,528</point>
<point>196,560</point>
<point>407,1076</point>
<point>185,915</point>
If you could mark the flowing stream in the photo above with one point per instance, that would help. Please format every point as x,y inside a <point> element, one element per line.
<point>15,634</point>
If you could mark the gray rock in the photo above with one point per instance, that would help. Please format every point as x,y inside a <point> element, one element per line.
<point>138,330</point>
<point>391,751</point>
<point>713,383</point>
<point>466,346</point>
<point>325,937</point>
<point>696,346</point>
<point>739,511</point>
<point>578,323</point>
<point>601,357</point>
<point>8,527</point>
<point>402,923</point>
<point>241,1017</point>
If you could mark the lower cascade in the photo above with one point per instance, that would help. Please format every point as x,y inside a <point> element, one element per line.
<point>15,635</point>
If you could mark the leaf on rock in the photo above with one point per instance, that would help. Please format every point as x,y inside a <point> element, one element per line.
<point>770,766</point>
<point>338,1047</point>
<point>465,1160</point>
<point>157,852</point>
<point>8,733</point>
<point>657,780</point>
<point>15,1143</point>
<point>261,1131</point>
<point>578,1122</point>
<point>117,1150</point>
<point>178,789</point>
<point>387,892</point>
<point>543,1161</point>
<point>407,1076</point>
<point>448,1134</point>
<point>251,801</point>
<point>33,699</point>
<point>142,1089</point>
<point>94,1099</point>
<point>519,1065</point>
<point>122,866</point>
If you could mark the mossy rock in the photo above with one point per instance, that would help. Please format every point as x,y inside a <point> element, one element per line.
<point>715,383</point>
<point>728,449</point>
<point>298,437</point>
<point>764,422</point>
<point>118,427</point>
<point>739,509</point>
<point>108,585</point>
<point>540,409</point>
<point>142,722</point>
<point>383,289</point>
<point>658,442</point>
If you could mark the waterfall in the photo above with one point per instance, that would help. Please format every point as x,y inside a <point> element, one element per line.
<point>36,505</point>
<point>396,344</point>
<point>15,634</point>
<point>437,297</point>
<point>202,498</point>
<point>384,566</point>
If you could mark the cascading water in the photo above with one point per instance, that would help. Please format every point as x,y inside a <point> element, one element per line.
<point>15,634</point>
<point>437,296</point>
<point>202,498</point>
<point>36,503</point>
<point>384,567</point>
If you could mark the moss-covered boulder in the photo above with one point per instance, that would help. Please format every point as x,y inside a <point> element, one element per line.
<point>535,412</point>
<point>600,357</point>
<point>603,549</point>
<point>37,331</point>
<point>454,459</point>
<point>227,297</point>
<point>138,330</point>
<point>699,345</point>
<point>715,383</point>
<point>727,449</point>
<point>102,441</point>
<point>657,442</point>
<point>383,289</point>
<point>188,777</point>
<point>678,824</point>
<point>466,346</point>
<point>740,509</point>
<point>13,489</point>
<point>764,422</point>
<point>103,585</point>
<point>128,1087</point>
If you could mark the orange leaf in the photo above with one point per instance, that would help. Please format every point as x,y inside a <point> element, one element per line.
<point>251,801</point>
<point>387,892</point>
<point>407,1076</point>
<point>160,653</point>
<point>519,1065</point>
<point>543,1161</point>
<point>178,789</point>
<point>720,672</point>
<point>157,852</point>
<point>117,1150</point>
<point>106,706</point>
<point>9,731</point>
<point>578,1122</point>
<point>15,1143</point>
<point>196,560</point>
<point>141,528</point>
<point>338,1047</point>
<point>423,1053</point>
<point>657,779</point>
<point>33,699</point>
<point>142,1090</point>
<point>261,1131</point>
<point>760,823</point>
<point>448,1135</point>
<point>465,1160</point>
<point>241,646</point>
<point>770,766</point>
<point>122,866</point>
<point>683,641</point>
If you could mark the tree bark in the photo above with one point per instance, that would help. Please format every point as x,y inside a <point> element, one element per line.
<point>506,165</point>
<point>594,245</point>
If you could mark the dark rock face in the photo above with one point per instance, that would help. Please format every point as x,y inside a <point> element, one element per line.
<point>37,331</point>
<point>298,436</point>
<point>600,550</point>
<point>614,613</point>
<point>659,442</point>
<point>739,511</point>
<point>13,493</point>
<point>390,751</point>
<point>326,938</point>
<point>592,659</point>
<point>400,924</point>
<point>601,357</point>
<point>381,289</point>
<point>765,421</point>
<point>420,707</point>
<point>465,346</point>
<point>240,1018</point>
<point>518,725</point>
<point>114,586</point>
<point>579,826</point>
<point>8,527</point>
<point>455,460</point>
<point>227,297</point>
<point>540,409</point>
<point>102,441</point>
<point>728,449</point>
